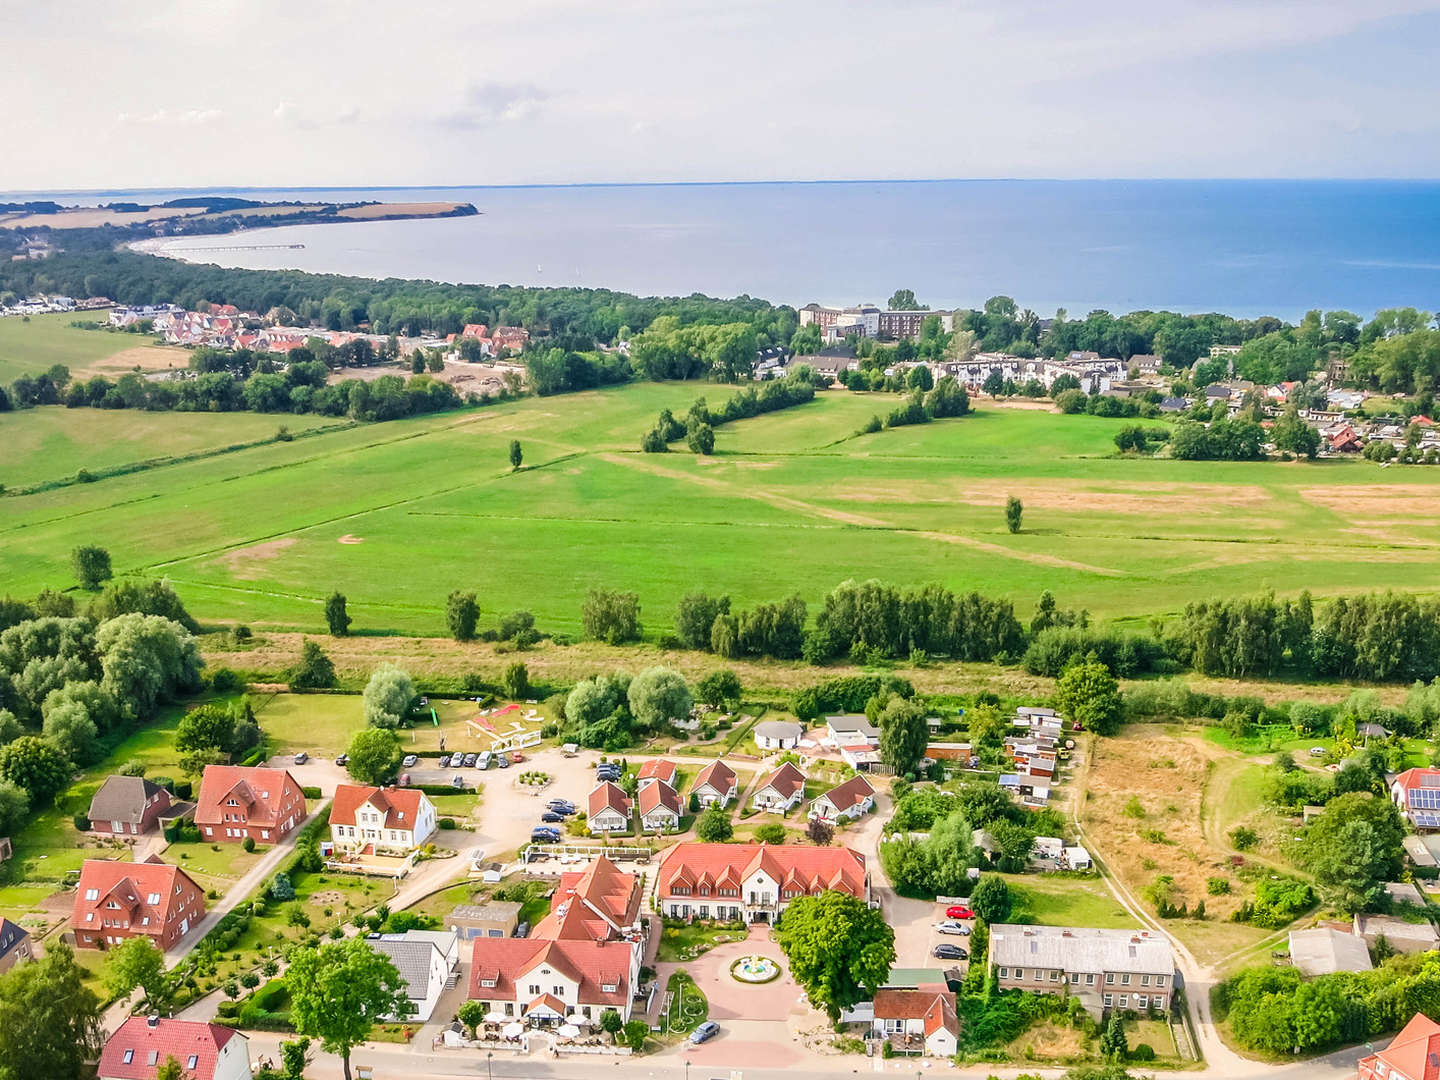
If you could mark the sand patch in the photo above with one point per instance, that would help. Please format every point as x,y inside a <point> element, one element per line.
<point>757,464</point>
<point>1415,503</point>
<point>349,539</point>
<point>1192,499</point>
<point>247,563</point>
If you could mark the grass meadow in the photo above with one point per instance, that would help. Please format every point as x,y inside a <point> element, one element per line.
<point>32,347</point>
<point>397,515</point>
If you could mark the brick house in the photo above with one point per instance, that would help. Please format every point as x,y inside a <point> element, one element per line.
<point>236,802</point>
<point>116,901</point>
<point>127,806</point>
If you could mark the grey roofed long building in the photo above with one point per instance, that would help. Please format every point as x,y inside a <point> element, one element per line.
<point>1080,949</point>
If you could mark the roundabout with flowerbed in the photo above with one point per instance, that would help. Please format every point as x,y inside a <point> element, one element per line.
<point>754,970</point>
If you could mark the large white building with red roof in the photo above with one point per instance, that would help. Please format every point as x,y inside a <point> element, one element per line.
<point>236,802</point>
<point>115,901</point>
<point>551,980</point>
<point>601,903</point>
<point>204,1051</point>
<point>380,820</point>
<point>753,882</point>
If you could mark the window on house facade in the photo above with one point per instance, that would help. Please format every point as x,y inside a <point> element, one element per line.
<point>1142,1001</point>
<point>1108,999</point>
<point>1004,973</point>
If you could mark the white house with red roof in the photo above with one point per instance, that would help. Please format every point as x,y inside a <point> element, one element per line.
<point>116,901</point>
<point>1416,793</point>
<point>656,769</point>
<point>1414,1054</point>
<point>549,980</point>
<point>609,809</point>
<point>380,820</point>
<point>753,882</point>
<point>204,1051</point>
<point>236,802</point>
<point>659,807</point>
<point>844,802</point>
<point>600,903</point>
<point>922,1018</point>
<point>780,791</point>
<point>716,785</point>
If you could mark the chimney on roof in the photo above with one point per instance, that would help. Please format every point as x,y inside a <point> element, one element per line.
<point>153,1020</point>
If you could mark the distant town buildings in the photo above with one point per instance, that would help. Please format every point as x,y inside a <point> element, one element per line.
<point>867,320</point>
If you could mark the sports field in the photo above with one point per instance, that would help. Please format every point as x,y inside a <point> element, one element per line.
<point>397,515</point>
<point>33,347</point>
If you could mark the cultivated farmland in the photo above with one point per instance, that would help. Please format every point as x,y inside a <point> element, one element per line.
<point>397,515</point>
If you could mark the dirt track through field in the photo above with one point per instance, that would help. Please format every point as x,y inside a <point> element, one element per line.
<point>788,502</point>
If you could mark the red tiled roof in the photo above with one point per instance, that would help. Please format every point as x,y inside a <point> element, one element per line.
<point>716,775</point>
<point>805,869</point>
<point>611,795</point>
<point>401,805</point>
<point>655,795</point>
<point>1411,779</point>
<point>475,330</point>
<point>786,780</point>
<point>935,1007</point>
<point>261,792</point>
<point>851,792</point>
<point>592,905</point>
<point>657,770</point>
<point>1414,1053</point>
<point>180,1039</point>
<point>131,885</point>
<point>591,964</point>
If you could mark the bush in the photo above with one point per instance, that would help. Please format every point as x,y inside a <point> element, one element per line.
<point>1142,1052</point>
<point>447,823</point>
<point>1217,886</point>
<point>82,823</point>
<point>311,792</point>
<point>1244,838</point>
<point>248,844</point>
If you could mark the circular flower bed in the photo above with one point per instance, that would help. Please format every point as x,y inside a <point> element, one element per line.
<point>754,969</point>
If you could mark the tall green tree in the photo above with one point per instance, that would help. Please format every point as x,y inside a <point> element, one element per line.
<point>337,618</point>
<point>1089,695</point>
<point>49,1019</point>
<point>1353,848</point>
<point>839,949</point>
<point>36,766</point>
<point>658,697</point>
<point>1014,513</point>
<point>1292,434</point>
<point>315,671</point>
<point>340,991</point>
<point>375,756</point>
<point>91,566</point>
<point>990,898</point>
<point>903,734</point>
<point>517,455</point>
<point>388,696</point>
<point>138,963</point>
<point>713,826</point>
<point>1113,1043</point>
<point>461,615</point>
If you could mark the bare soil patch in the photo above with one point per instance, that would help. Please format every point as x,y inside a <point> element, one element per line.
<point>1412,503</point>
<point>246,563</point>
<point>1188,499</point>
<point>349,539</point>
<point>144,357</point>
<point>411,209</point>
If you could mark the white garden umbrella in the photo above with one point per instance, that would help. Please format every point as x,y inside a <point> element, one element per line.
<point>513,1031</point>
<point>494,1016</point>
<point>568,1031</point>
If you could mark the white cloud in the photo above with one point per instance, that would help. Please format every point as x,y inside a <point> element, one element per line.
<point>487,103</point>
<point>169,118</point>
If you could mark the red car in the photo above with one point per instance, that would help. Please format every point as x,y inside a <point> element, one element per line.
<point>959,911</point>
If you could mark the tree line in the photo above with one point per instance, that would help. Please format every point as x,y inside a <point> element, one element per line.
<point>698,428</point>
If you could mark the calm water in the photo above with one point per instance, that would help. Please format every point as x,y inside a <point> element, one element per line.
<point>1245,247</point>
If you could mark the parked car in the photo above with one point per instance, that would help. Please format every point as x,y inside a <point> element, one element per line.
<point>444,761</point>
<point>503,760</point>
<point>457,781</point>
<point>947,951</point>
<point>522,929</point>
<point>483,761</point>
<point>301,758</point>
<point>517,757</point>
<point>959,911</point>
<point>561,806</point>
<point>950,926</point>
<point>343,760</point>
<point>706,1031</point>
<point>601,775</point>
<point>544,834</point>
<point>470,760</point>
<point>1317,751</point>
<point>551,815</point>
<point>409,762</point>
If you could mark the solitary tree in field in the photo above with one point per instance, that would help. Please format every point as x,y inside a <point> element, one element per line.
<point>462,613</point>
<point>375,756</point>
<point>388,696</point>
<point>516,454</point>
<point>1014,511</point>
<point>91,565</point>
<point>336,617</point>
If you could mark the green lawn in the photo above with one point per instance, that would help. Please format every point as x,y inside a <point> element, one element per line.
<point>49,445</point>
<point>31,347</point>
<point>1065,901</point>
<point>397,515</point>
<point>685,941</point>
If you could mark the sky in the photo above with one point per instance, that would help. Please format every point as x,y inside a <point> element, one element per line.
<point>239,93</point>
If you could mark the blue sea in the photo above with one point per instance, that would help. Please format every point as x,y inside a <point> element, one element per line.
<point>1243,247</point>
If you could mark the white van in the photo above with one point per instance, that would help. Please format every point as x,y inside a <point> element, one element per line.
<point>483,761</point>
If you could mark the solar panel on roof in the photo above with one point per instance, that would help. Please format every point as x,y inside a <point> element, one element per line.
<point>1425,799</point>
<point>1425,819</point>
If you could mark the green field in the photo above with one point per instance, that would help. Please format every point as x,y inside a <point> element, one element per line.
<point>397,515</point>
<point>33,347</point>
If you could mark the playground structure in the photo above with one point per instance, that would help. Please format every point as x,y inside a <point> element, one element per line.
<point>523,727</point>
